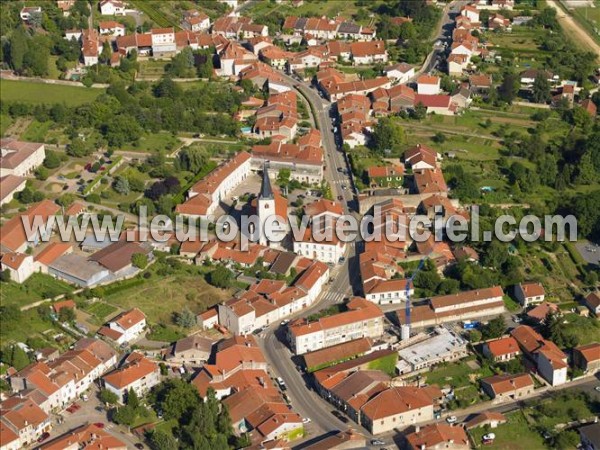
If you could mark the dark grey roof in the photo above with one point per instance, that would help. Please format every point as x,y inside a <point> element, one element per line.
<point>265,188</point>
<point>592,434</point>
<point>300,23</point>
<point>283,263</point>
<point>349,27</point>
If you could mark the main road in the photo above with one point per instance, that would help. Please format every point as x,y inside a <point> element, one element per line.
<point>345,278</point>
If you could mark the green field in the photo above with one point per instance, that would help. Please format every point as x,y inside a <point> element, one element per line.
<point>37,287</point>
<point>101,310</point>
<point>5,122</point>
<point>386,364</point>
<point>31,92</point>
<point>154,142</point>
<point>457,374</point>
<point>515,434</point>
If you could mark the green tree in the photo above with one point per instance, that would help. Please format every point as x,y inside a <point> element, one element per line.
<point>587,172</point>
<point>52,160</point>
<point>106,53</point>
<point>132,400</point>
<point>494,328</point>
<point>124,415</point>
<point>139,260</point>
<point>18,48</point>
<point>175,398</point>
<point>220,277</point>
<point>159,440</point>
<point>121,185</point>
<point>541,88</point>
<point>15,356</point>
<point>193,158</point>
<point>66,315</point>
<point>283,177</point>
<point>507,91</point>
<point>185,319</point>
<point>387,135</point>
<point>108,397</point>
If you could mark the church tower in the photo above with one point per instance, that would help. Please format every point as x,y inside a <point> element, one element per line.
<point>265,204</point>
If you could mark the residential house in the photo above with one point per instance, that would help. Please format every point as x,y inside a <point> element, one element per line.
<point>65,6</point>
<point>438,436</point>
<point>196,22</point>
<point>503,349</point>
<point>20,266</point>
<point>457,64</point>
<point>529,293</point>
<point>589,106</point>
<point>368,52</point>
<point>421,157</point>
<point>480,83</point>
<point>401,73</point>
<point>208,319</point>
<point>386,176</point>
<point>190,351</point>
<point>592,301</point>
<point>540,312</point>
<point>111,28</point>
<point>22,422</point>
<point>10,185</point>
<point>136,373</point>
<point>125,327</point>
<point>508,386</point>
<point>470,12</point>
<point>20,158</point>
<point>361,319</point>
<point>85,437</point>
<point>498,22</point>
<point>438,104</point>
<point>112,8</point>
<point>587,357</point>
<point>487,418</point>
<point>13,235</point>
<point>340,440</point>
<point>428,85</point>
<point>28,11</point>
<point>397,407</point>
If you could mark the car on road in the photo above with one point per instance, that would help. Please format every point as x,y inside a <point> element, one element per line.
<point>339,169</point>
<point>99,425</point>
<point>281,383</point>
<point>344,187</point>
<point>306,420</point>
<point>489,437</point>
<point>516,319</point>
<point>377,442</point>
<point>43,437</point>
<point>451,419</point>
<point>284,322</point>
<point>340,416</point>
<point>341,260</point>
<point>139,446</point>
<point>340,198</point>
<point>597,388</point>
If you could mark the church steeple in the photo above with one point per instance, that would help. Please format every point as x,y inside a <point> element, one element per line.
<point>265,189</point>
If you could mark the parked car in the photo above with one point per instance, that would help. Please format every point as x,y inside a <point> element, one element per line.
<point>340,416</point>
<point>43,437</point>
<point>139,445</point>
<point>377,442</point>
<point>489,437</point>
<point>451,419</point>
<point>306,420</point>
<point>99,425</point>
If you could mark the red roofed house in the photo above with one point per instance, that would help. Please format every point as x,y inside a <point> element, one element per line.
<point>438,436</point>
<point>397,407</point>
<point>502,349</point>
<point>502,387</point>
<point>57,306</point>
<point>125,327</point>
<point>84,437</point>
<point>550,361</point>
<point>587,357</point>
<point>592,301</point>
<point>386,176</point>
<point>137,373</point>
<point>19,265</point>
<point>112,28</point>
<point>589,106</point>
<point>428,85</point>
<point>112,8</point>
<point>22,422</point>
<point>50,253</point>
<point>529,293</point>
<point>362,319</point>
<point>20,158</point>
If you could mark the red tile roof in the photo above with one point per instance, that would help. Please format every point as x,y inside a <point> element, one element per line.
<point>503,346</point>
<point>136,366</point>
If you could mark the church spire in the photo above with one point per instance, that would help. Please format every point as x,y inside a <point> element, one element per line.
<point>265,189</point>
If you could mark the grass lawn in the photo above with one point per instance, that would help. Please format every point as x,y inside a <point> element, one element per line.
<point>31,92</point>
<point>100,310</point>
<point>457,374</point>
<point>152,68</point>
<point>30,326</point>
<point>165,333</point>
<point>511,304</point>
<point>153,10</point>
<point>167,291</point>
<point>515,434</point>
<point>36,131</point>
<point>152,142</point>
<point>386,364</point>
<point>586,329</point>
<point>5,122</point>
<point>37,287</point>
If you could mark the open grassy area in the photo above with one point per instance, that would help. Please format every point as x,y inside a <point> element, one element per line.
<point>36,131</point>
<point>100,310</point>
<point>515,434</point>
<point>387,364</point>
<point>315,8</point>
<point>5,122</point>
<point>457,374</point>
<point>155,12</point>
<point>37,287</point>
<point>169,289</point>
<point>586,329</point>
<point>151,142</point>
<point>32,92</point>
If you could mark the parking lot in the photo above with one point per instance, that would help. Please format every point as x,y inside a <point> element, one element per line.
<point>589,251</point>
